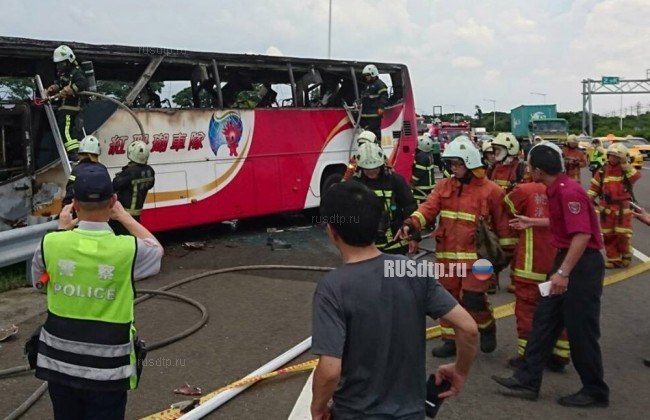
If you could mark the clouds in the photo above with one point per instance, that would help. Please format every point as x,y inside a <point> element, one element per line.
<point>458,52</point>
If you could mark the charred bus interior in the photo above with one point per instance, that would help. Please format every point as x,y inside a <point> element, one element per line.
<point>149,81</point>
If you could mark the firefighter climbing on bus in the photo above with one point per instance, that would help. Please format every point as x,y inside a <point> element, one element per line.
<point>70,80</point>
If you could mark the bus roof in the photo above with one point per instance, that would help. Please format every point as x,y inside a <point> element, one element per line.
<point>17,57</point>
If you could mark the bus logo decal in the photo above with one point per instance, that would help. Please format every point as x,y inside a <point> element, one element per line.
<point>226,130</point>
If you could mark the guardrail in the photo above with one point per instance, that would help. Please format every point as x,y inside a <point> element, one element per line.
<point>19,244</point>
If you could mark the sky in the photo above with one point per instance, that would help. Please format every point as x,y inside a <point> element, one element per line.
<point>460,53</point>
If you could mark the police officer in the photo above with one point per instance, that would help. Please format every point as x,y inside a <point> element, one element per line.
<point>576,287</point>
<point>373,101</point>
<point>70,81</point>
<point>89,151</point>
<point>134,182</point>
<point>88,350</point>
<point>392,189</point>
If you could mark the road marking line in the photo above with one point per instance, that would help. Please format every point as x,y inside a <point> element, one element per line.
<point>640,255</point>
<point>302,411</point>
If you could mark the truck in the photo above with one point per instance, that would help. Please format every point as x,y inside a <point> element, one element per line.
<point>529,121</point>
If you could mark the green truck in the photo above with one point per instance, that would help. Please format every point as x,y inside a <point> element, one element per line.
<point>528,121</point>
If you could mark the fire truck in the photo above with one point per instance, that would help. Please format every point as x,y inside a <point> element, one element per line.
<point>450,130</point>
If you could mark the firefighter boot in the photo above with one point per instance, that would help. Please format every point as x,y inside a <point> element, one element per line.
<point>448,349</point>
<point>489,340</point>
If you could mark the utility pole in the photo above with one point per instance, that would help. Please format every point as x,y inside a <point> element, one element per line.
<point>494,113</point>
<point>329,34</point>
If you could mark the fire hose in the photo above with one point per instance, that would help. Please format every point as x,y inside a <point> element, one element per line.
<point>24,407</point>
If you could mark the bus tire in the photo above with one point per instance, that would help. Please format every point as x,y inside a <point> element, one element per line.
<point>329,180</point>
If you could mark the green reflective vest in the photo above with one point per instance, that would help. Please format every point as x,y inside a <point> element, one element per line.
<point>87,340</point>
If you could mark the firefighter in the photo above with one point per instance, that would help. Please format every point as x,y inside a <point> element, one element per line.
<point>435,151</point>
<point>488,156</point>
<point>70,81</point>
<point>394,192</point>
<point>423,180</point>
<point>462,201</point>
<point>597,156</point>
<point>133,183</point>
<point>574,158</point>
<point>373,101</point>
<point>507,171</point>
<point>611,189</point>
<point>364,137</point>
<point>89,151</point>
<point>533,259</point>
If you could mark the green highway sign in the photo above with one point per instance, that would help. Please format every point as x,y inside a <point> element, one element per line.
<point>610,80</point>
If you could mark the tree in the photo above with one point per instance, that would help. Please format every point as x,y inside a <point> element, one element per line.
<point>119,90</point>
<point>183,98</point>
<point>16,89</point>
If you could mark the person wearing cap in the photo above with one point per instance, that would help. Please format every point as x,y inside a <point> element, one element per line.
<point>574,158</point>
<point>394,192</point>
<point>89,151</point>
<point>133,182</point>
<point>597,156</point>
<point>88,349</point>
<point>576,287</point>
<point>373,101</point>
<point>462,201</point>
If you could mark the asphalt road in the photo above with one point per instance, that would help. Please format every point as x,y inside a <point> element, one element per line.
<point>257,315</point>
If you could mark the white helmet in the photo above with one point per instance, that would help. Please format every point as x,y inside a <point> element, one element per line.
<point>366,137</point>
<point>138,152</point>
<point>508,141</point>
<point>63,53</point>
<point>545,143</point>
<point>425,143</point>
<point>463,148</point>
<point>370,69</point>
<point>90,144</point>
<point>369,156</point>
<point>618,150</point>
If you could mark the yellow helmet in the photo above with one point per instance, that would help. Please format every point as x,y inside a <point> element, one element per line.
<point>508,141</point>
<point>572,140</point>
<point>618,150</point>
<point>486,147</point>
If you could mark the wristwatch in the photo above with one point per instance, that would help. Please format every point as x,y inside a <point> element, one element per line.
<point>562,273</point>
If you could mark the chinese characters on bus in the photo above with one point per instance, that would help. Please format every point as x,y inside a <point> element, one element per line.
<point>160,142</point>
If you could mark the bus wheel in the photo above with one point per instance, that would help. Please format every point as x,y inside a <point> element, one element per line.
<point>329,180</point>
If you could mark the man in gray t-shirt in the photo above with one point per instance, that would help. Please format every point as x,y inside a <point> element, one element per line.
<point>368,329</point>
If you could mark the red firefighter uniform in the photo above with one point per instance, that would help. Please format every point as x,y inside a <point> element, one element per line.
<point>460,206</point>
<point>611,187</point>
<point>533,259</point>
<point>508,174</point>
<point>574,160</point>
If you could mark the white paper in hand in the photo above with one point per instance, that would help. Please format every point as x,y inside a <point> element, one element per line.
<point>545,288</point>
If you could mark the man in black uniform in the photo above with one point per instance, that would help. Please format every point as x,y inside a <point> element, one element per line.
<point>393,191</point>
<point>89,151</point>
<point>70,81</point>
<point>133,183</point>
<point>373,101</point>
